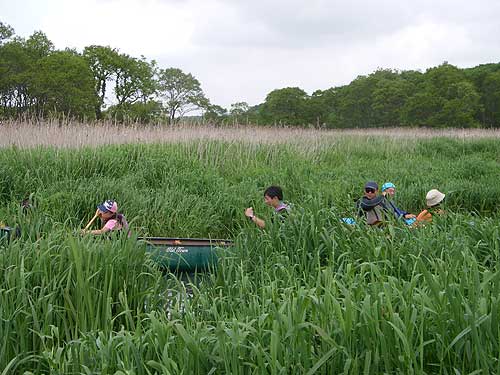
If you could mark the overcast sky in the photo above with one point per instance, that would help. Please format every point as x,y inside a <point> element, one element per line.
<point>241,50</point>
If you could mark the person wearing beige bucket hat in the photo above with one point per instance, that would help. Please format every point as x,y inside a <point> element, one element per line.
<point>433,200</point>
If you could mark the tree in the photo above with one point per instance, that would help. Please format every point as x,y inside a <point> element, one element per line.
<point>5,32</point>
<point>389,98</point>
<point>146,113</point>
<point>63,83</point>
<point>238,110</point>
<point>491,99</point>
<point>421,109</point>
<point>134,80</point>
<point>215,113</point>
<point>39,46</point>
<point>18,63</point>
<point>181,93</point>
<point>286,106</point>
<point>439,79</point>
<point>323,105</point>
<point>461,106</point>
<point>15,67</point>
<point>103,63</point>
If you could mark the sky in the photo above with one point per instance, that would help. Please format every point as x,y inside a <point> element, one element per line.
<point>242,50</point>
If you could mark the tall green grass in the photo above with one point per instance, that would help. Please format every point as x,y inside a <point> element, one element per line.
<point>311,296</point>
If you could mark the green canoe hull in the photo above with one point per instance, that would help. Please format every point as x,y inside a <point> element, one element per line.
<point>184,254</point>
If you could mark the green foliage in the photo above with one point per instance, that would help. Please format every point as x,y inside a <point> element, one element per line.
<point>181,93</point>
<point>133,80</point>
<point>139,112</point>
<point>286,106</point>
<point>6,31</point>
<point>311,296</point>
<point>38,45</point>
<point>103,64</point>
<point>62,83</point>
<point>491,99</point>
<point>215,114</point>
<point>15,67</point>
<point>443,96</point>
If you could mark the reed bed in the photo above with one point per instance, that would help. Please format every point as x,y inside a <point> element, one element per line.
<point>70,134</point>
<point>312,296</point>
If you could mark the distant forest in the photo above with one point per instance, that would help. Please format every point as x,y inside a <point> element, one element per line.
<point>39,82</point>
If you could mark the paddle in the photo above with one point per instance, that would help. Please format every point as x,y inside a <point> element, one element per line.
<point>91,221</point>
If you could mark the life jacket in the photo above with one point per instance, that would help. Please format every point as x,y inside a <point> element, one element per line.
<point>374,210</point>
<point>282,211</point>
<point>376,215</point>
<point>425,216</point>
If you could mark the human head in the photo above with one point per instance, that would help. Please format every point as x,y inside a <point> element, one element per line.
<point>107,208</point>
<point>434,197</point>
<point>389,188</point>
<point>273,195</point>
<point>371,189</point>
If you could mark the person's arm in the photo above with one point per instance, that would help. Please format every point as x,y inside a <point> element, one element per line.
<point>106,228</point>
<point>399,212</point>
<point>258,221</point>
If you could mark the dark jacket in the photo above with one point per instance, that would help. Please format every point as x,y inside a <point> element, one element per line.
<point>373,210</point>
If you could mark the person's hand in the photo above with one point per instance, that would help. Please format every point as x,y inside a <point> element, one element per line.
<point>410,216</point>
<point>249,212</point>
<point>83,231</point>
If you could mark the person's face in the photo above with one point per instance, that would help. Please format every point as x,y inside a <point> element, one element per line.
<point>391,191</point>
<point>105,215</point>
<point>370,193</point>
<point>273,202</point>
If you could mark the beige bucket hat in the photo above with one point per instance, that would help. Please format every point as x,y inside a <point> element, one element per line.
<point>434,197</point>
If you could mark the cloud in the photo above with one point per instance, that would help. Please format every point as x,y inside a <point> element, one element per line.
<point>137,28</point>
<point>240,50</point>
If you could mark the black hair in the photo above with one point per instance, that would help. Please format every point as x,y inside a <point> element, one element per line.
<point>274,191</point>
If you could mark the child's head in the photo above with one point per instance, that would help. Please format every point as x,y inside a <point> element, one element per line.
<point>273,195</point>
<point>107,209</point>
<point>389,188</point>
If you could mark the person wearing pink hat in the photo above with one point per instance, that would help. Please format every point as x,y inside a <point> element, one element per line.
<point>110,217</point>
<point>433,199</point>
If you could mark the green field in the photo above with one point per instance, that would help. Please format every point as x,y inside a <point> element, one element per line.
<point>310,296</point>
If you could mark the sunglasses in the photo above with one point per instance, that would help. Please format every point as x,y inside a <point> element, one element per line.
<point>370,190</point>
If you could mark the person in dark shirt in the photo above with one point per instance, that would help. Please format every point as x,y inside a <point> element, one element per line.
<point>273,197</point>
<point>372,206</point>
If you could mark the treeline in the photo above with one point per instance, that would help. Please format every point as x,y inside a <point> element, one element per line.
<point>36,80</point>
<point>443,96</point>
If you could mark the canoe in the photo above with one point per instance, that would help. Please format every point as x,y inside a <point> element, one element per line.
<point>184,254</point>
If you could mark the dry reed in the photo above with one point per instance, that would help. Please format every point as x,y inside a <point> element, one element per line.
<point>27,134</point>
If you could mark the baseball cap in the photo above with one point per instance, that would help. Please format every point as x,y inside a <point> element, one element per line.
<point>371,185</point>
<point>388,185</point>
<point>108,206</point>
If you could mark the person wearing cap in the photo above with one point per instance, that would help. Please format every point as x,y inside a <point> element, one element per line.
<point>273,197</point>
<point>388,191</point>
<point>110,217</point>
<point>433,199</point>
<point>372,206</point>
